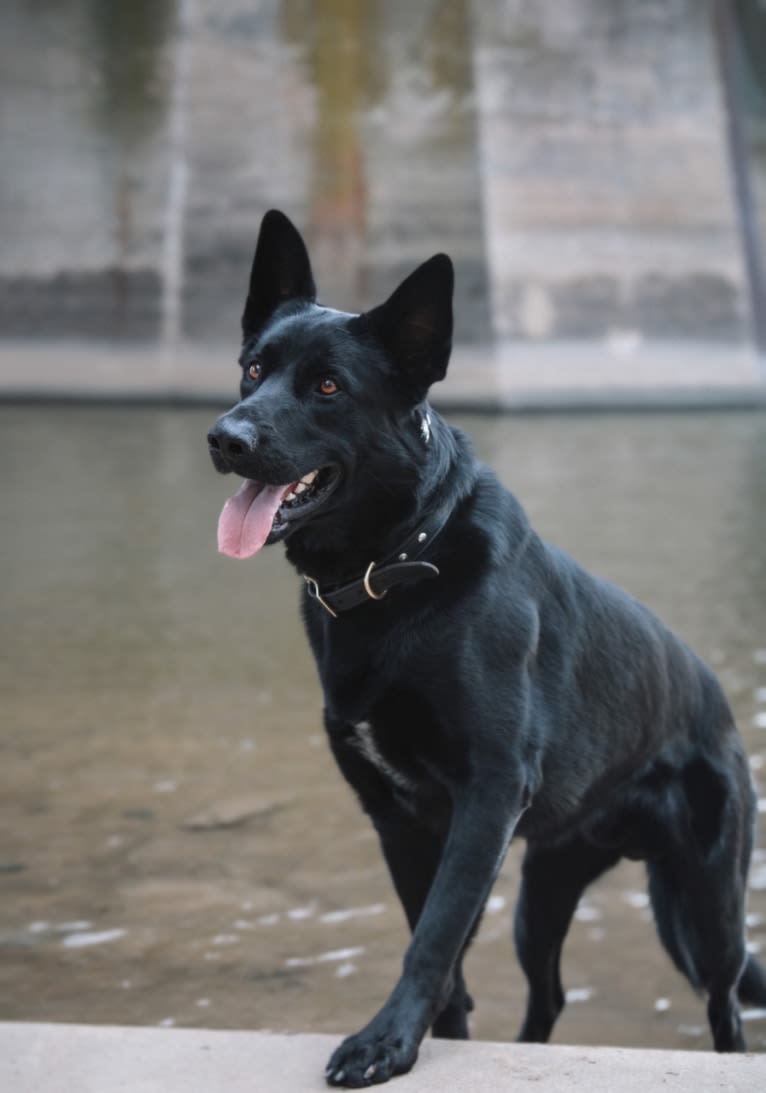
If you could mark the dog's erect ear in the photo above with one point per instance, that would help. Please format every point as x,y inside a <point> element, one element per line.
<point>281,271</point>
<point>414,325</point>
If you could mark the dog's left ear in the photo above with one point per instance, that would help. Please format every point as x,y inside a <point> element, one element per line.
<point>281,271</point>
<point>414,325</point>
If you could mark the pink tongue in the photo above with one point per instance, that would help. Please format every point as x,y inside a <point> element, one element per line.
<point>246,519</point>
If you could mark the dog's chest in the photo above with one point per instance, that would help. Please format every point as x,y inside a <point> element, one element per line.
<point>364,740</point>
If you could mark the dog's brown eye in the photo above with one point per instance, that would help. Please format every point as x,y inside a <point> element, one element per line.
<point>254,371</point>
<point>328,386</point>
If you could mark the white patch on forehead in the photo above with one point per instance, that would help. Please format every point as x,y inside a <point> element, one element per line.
<point>365,742</point>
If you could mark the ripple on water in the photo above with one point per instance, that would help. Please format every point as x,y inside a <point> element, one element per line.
<point>71,927</point>
<point>298,914</point>
<point>268,920</point>
<point>93,937</point>
<point>758,877</point>
<point>586,912</point>
<point>353,912</point>
<point>636,899</point>
<point>691,1030</point>
<point>324,958</point>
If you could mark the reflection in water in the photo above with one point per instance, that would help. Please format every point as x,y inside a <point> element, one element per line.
<point>177,844</point>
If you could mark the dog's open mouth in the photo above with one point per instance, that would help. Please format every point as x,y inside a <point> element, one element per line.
<point>258,514</point>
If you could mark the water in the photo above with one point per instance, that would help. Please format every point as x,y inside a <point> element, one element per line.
<point>177,846</point>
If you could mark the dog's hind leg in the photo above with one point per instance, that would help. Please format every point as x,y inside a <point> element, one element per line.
<point>752,985</point>
<point>701,926</point>
<point>697,886</point>
<point>553,879</point>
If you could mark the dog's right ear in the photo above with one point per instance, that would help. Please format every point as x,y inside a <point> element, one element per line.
<point>415,325</point>
<point>281,271</point>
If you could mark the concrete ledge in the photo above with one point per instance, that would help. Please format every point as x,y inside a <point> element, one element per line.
<point>36,1058</point>
<point>511,376</point>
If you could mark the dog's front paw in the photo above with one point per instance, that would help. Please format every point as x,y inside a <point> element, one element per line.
<point>370,1057</point>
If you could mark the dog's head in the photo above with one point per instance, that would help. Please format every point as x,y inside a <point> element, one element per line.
<point>331,404</point>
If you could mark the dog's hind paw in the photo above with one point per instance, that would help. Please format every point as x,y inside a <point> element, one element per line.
<point>369,1058</point>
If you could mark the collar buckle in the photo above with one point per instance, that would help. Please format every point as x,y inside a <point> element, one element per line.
<point>368,586</point>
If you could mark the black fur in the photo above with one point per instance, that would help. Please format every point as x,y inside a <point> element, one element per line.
<point>514,695</point>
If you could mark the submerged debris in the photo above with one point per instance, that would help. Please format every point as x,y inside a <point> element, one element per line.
<point>232,813</point>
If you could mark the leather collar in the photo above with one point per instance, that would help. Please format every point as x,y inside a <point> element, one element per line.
<point>402,566</point>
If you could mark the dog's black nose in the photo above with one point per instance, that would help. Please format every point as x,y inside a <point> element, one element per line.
<point>232,437</point>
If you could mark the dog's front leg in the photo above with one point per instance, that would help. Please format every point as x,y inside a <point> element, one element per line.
<point>483,819</point>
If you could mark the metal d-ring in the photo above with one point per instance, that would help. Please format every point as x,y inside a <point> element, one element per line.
<point>368,587</point>
<point>315,594</point>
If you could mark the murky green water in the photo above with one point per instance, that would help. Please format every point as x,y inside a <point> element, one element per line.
<point>175,843</point>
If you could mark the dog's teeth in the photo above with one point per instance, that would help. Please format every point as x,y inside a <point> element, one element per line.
<point>290,496</point>
<point>301,487</point>
<point>309,478</point>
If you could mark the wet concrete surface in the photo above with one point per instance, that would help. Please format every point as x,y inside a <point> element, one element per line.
<point>176,845</point>
<point>566,375</point>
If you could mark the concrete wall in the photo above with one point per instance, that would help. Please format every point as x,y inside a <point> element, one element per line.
<point>571,155</point>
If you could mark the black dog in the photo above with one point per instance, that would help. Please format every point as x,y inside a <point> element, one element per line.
<point>478,683</point>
